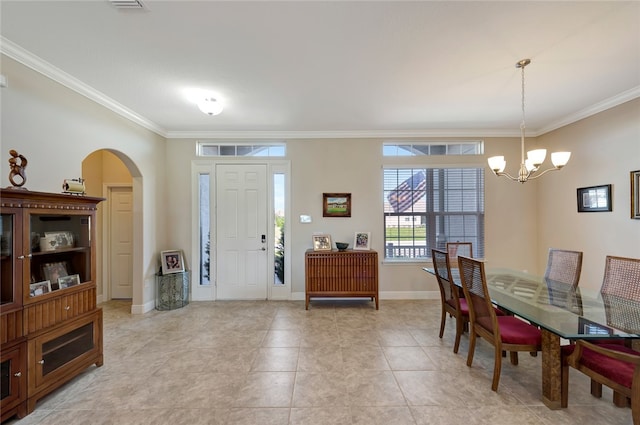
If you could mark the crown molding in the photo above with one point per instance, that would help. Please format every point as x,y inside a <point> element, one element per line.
<point>612,102</point>
<point>29,60</point>
<point>348,134</point>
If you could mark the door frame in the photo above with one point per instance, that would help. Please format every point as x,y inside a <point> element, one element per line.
<point>208,166</point>
<point>106,238</point>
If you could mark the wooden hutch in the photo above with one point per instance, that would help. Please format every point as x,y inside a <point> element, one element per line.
<point>50,325</point>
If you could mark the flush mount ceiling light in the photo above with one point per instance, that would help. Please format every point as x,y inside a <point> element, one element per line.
<point>535,158</point>
<point>210,106</point>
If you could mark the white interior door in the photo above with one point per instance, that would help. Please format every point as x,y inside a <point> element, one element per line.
<point>241,229</point>
<point>121,242</point>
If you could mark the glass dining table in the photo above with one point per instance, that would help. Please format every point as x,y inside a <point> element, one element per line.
<point>562,313</point>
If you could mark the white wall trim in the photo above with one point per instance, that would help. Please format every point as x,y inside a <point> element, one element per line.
<point>386,295</point>
<point>144,308</point>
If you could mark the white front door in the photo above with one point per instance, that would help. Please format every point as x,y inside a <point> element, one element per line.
<point>241,229</point>
<point>121,242</point>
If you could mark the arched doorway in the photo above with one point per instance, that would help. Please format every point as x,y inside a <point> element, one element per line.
<point>112,175</point>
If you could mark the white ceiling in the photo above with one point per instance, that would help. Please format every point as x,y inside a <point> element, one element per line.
<point>348,68</point>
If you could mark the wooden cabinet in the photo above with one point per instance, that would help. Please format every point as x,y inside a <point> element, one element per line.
<point>14,379</point>
<point>343,274</point>
<point>51,327</point>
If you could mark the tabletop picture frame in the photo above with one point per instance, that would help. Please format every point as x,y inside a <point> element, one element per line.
<point>594,198</point>
<point>68,281</point>
<point>39,288</point>
<point>172,261</point>
<point>336,205</point>
<point>362,241</point>
<point>321,242</point>
<point>635,194</point>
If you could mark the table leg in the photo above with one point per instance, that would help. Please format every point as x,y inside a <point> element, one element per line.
<point>551,370</point>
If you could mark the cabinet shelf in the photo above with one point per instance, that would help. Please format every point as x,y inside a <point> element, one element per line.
<point>60,251</point>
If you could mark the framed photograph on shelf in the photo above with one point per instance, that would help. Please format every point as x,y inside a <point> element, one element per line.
<point>172,261</point>
<point>54,271</point>
<point>594,198</point>
<point>336,205</point>
<point>39,288</point>
<point>635,194</point>
<point>362,241</point>
<point>321,242</point>
<point>67,281</point>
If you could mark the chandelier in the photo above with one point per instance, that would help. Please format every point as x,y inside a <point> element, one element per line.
<point>528,168</point>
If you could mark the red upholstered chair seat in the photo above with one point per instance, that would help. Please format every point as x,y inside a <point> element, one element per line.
<point>464,307</point>
<point>617,370</point>
<point>514,330</point>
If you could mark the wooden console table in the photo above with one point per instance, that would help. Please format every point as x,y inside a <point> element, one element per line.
<point>343,274</point>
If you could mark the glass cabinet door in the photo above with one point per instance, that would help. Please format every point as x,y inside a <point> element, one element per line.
<point>60,252</point>
<point>11,261</point>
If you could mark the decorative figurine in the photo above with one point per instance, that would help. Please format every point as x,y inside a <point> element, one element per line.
<point>17,164</point>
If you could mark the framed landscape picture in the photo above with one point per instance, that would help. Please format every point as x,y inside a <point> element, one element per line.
<point>336,205</point>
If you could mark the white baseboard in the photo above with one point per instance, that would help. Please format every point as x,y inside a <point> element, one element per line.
<point>144,308</point>
<point>389,295</point>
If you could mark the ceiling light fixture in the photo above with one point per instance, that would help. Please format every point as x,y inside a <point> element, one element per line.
<point>535,158</point>
<point>210,106</point>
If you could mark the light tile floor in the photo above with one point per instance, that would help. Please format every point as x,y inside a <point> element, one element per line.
<point>340,362</point>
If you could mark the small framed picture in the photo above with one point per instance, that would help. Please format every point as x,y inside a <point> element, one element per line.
<point>635,194</point>
<point>54,271</point>
<point>67,281</point>
<point>362,240</point>
<point>336,205</point>
<point>321,242</point>
<point>594,198</point>
<point>39,288</point>
<point>172,261</point>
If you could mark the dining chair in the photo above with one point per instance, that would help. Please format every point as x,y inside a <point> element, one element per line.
<point>614,365</point>
<point>620,287</point>
<point>621,277</point>
<point>562,276</point>
<point>564,266</point>
<point>458,248</point>
<point>507,333</point>
<point>452,303</point>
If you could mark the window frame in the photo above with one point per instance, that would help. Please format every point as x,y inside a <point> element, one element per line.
<point>430,241</point>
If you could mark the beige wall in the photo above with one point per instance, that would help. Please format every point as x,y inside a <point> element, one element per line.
<point>56,129</point>
<point>605,149</point>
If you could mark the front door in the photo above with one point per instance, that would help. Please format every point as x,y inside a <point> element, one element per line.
<point>241,229</point>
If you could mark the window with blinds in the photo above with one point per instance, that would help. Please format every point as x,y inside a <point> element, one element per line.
<point>425,208</point>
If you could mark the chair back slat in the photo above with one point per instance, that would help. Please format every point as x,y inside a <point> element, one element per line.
<point>622,277</point>
<point>564,266</point>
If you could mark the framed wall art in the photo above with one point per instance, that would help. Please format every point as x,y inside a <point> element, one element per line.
<point>172,261</point>
<point>336,205</point>
<point>321,242</point>
<point>635,194</point>
<point>594,198</point>
<point>362,240</point>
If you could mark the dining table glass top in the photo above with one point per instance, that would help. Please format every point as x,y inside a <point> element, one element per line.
<point>569,312</point>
